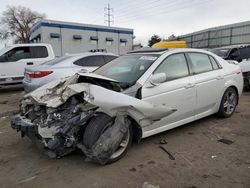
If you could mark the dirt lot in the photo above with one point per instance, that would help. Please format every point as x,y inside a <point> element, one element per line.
<point>199,160</point>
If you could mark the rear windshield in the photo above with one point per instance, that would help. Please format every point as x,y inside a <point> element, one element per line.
<point>222,52</point>
<point>56,60</point>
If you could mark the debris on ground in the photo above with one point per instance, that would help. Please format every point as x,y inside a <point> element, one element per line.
<point>213,156</point>
<point>166,151</point>
<point>148,185</point>
<point>163,141</point>
<point>225,141</point>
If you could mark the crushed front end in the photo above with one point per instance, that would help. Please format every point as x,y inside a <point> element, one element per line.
<point>57,131</point>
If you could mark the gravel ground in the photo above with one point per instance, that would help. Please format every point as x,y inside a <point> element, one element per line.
<point>196,158</point>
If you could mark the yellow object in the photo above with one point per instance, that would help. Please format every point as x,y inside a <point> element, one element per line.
<point>170,44</point>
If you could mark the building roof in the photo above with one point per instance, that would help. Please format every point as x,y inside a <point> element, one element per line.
<point>79,26</point>
<point>240,24</point>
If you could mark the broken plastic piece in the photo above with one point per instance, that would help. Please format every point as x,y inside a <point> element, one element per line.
<point>166,151</point>
<point>226,141</point>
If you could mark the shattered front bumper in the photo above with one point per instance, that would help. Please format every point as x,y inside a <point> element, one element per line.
<point>28,129</point>
<point>22,124</point>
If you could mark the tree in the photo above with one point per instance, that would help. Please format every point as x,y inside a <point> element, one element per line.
<point>154,39</point>
<point>16,23</point>
<point>172,37</point>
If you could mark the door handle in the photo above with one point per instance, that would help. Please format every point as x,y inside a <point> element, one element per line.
<point>219,77</point>
<point>189,85</point>
<point>30,63</point>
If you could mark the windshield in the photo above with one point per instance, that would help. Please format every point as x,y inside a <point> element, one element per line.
<point>56,60</point>
<point>5,49</point>
<point>127,68</point>
<point>222,52</point>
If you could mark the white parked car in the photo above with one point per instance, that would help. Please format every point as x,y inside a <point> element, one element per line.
<point>15,58</point>
<point>62,67</point>
<point>135,96</point>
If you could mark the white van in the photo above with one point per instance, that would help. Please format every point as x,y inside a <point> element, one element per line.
<point>14,59</point>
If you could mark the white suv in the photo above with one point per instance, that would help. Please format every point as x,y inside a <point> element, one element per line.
<point>15,58</point>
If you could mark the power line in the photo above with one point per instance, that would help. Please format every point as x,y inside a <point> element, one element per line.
<point>107,12</point>
<point>167,12</point>
<point>165,7</point>
<point>148,6</point>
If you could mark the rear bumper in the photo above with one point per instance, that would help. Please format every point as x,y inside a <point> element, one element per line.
<point>29,86</point>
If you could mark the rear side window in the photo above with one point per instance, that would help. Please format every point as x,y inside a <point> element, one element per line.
<point>38,52</point>
<point>214,63</point>
<point>175,66</point>
<point>91,61</point>
<point>108,58</point>
<point>200,63</point>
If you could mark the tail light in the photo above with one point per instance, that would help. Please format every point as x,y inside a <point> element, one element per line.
<point>39,74</point>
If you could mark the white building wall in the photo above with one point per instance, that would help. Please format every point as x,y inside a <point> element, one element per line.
<point>67,44</point>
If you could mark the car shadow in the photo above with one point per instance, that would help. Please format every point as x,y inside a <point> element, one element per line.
<point>11,88</point>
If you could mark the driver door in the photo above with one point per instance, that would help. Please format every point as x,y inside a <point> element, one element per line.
<point>178,91</point>
<point>15,63</point>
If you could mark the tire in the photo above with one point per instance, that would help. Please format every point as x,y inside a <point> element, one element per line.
<point>228,103</point>
<point>94,130</point>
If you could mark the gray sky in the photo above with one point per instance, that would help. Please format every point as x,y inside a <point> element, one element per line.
<point>146,17</point>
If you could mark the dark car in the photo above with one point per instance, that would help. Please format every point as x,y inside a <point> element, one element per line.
<point>235,52</point>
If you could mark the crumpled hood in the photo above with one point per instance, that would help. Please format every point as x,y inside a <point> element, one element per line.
<point>111,102</point>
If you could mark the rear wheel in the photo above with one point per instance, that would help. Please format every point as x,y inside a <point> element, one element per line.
<point>228,103</point>
<point>96,128</point>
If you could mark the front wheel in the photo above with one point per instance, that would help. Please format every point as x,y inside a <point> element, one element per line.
<point>96,128</point>
<point>228,103</point>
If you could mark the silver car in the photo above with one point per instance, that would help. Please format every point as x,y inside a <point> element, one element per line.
<point>132,97</point>
<point>64,66</point>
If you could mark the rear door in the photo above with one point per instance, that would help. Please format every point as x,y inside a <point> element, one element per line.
<point>177,91</point>
<point>209,81</point>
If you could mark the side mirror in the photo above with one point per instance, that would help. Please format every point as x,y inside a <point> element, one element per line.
<point>157,79</point>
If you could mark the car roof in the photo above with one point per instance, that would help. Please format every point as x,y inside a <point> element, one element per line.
<point>149,50</point>
<point>233,46</point>
<point>161,51</point>
<point>88,54</point>
<point>28,44</point>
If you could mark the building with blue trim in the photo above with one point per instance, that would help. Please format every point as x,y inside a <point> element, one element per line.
<point>68,37</point>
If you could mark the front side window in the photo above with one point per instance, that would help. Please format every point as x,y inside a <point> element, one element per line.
<point>200,63</point>
<point>18,53</point>
<point>175,66</point>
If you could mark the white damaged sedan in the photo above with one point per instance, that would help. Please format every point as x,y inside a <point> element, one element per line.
<point>137,95</point>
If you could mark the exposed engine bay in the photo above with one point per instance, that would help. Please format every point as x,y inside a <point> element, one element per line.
<point>56,116</point>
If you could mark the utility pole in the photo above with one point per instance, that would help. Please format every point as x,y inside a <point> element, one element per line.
<point>107,13</point>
